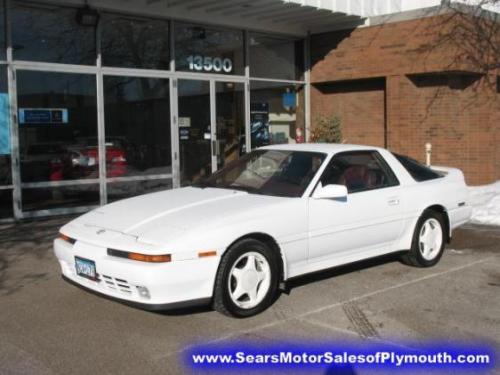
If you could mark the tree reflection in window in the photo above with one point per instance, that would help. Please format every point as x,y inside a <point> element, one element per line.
<point>134,42</point>
<point>51,33</point>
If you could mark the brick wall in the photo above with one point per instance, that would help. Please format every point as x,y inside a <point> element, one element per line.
<point>432,94</point>
<point>358,104</point>
<point>455,119</point>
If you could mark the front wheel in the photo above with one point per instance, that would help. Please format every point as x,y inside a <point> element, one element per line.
<point>247,279</point>
<point>428,240</point>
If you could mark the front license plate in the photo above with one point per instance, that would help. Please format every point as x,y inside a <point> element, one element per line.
<point>85,268</point>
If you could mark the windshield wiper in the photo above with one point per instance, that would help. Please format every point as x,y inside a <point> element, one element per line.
<point>247,189</point>
<point>202,184</point>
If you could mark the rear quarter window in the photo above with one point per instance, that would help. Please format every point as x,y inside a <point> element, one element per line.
<point>417,170</point>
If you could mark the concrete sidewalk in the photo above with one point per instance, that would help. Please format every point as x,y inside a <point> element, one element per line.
<point>50,327</point>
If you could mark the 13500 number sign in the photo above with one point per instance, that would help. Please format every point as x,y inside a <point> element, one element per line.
<point>210,64</point>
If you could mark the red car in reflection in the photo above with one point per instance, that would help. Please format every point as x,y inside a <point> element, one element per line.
<point>116,162</point>
<point>83,162</point>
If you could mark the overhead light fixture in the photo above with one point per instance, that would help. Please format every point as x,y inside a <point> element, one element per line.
<point>87,17</point>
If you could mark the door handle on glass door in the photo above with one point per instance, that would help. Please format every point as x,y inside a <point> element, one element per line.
<point>393,201</point>
<point>215,147</point>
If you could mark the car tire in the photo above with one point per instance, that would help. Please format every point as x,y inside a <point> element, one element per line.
<point>429,240</point>
<point>247,279</point>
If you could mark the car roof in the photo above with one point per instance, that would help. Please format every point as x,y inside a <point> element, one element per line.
<point>329,148</point>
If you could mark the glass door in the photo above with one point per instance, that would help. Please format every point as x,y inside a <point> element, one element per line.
<point>195,130</point>
<point>211,126</point>
<point>230,121</point>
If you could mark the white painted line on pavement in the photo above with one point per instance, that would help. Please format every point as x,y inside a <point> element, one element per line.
<point>336,304</point>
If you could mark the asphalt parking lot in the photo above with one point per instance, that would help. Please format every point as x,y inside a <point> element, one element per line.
<point>48,326</point>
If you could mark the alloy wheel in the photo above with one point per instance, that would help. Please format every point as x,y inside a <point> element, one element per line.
<point>249,280</point>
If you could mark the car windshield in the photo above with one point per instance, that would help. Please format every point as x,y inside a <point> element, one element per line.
<point>268,172</point>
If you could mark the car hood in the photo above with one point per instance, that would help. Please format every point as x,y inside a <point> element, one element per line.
<point>175,211</point>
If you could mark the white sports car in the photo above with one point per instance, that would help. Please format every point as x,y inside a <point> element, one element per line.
<point>276,213</point>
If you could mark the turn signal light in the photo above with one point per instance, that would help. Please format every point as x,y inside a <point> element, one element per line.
<point>149,258</point>
<point>140,257</point>
<point>209,253</point>
<point>66,238</point>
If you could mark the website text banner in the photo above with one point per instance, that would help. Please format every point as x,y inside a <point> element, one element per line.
<point>438,357</point>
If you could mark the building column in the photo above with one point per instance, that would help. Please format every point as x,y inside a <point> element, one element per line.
<point>392,112</point>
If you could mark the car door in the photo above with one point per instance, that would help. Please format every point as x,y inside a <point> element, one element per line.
<point>368,221</point>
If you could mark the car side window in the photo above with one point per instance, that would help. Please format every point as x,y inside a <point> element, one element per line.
<point>418,171</point>
<point>359,171</point>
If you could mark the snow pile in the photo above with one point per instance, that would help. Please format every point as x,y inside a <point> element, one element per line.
<point>485,201</point>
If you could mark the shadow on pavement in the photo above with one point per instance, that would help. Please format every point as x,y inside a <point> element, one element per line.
<point>341,270</point>
<point>22,247</point>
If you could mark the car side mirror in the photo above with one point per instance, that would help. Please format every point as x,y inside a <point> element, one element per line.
<point>330,192</point>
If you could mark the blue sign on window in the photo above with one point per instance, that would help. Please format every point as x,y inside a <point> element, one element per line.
<point>43,116</point>
<point>4,124</point>
<point>289,100</point>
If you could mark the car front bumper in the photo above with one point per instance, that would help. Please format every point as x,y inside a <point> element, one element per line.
<point>175,284</point>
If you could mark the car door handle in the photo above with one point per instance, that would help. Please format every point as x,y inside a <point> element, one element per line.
<point>393,201</point>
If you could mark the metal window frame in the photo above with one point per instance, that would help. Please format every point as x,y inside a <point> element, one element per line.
<point>101,128</point>
<point>9,187</point>
<point>100,71</point>
<point>248,134</point>
<point>14,134</point>
<point>307,85</point>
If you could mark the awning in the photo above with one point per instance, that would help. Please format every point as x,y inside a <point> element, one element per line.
<point>283,16</point>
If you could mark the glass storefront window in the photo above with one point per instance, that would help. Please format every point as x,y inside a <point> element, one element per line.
<point>6,209</point>
<point>205,49</point>
<point>276,111</point>
<point>137,126</point>
<point>3,44</point>
<point>122,190</point>
<point>57,112</point>
<point>134,42</point>
<point>5,149</point>
<point>276,57</point>
<point>57,116</point>
<point>34,199</point>
<point>51,33</point>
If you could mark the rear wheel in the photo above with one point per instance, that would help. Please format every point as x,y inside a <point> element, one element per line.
<point>428,240</point>
<point>247,279</point>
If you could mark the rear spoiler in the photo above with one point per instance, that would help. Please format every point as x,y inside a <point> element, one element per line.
<point>452,173</point>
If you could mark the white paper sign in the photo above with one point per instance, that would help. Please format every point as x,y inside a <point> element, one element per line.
<point>184,122</point>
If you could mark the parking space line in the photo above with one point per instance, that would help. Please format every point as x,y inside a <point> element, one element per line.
<point>352,333</point>
<point>304,316</point>
<point>397,286</point>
